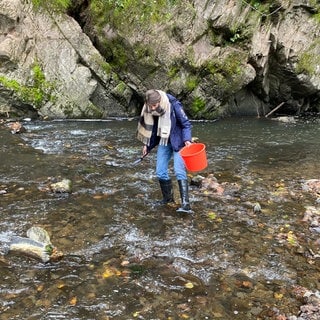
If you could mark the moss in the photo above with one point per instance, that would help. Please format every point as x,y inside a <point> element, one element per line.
<point>106,67</point>
<point>198,105</point>
<point>317,17</point>
<point>316,7</point>
<point>240,33</point>
<point>263,7</point>
<point>309,60</point>
<point>36,92</point>
<point>118,55</point>
<point>71,110</point>
<point>199,110</point>
<point>51,5</point>
<point>124,14</point>
<point>120,88</point>
<point>93,111</point>
<point>127,17</point>
<point>229,66</point>
<point>173,72</point>
<point>141,51</point>
<point>307,63</point>
<point>192,82</point>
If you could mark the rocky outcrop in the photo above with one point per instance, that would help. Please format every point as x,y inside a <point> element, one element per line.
<point>219,57</point>
<point>224,57</point>
<point>49,67</point>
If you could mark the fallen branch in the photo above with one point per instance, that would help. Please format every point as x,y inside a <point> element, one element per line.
<point>275,109</point>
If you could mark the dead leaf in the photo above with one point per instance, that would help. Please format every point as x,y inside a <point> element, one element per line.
<point>189,285</point>
<point>60,285</point>
<point>278,295</point>
<point>73,301</point>
<point>109,272</point>
<point>40,287</point>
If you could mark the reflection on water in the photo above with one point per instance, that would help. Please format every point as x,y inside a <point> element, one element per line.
<point>127,258</point>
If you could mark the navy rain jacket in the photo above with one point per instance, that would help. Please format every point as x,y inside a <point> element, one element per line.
<point>180,127</point>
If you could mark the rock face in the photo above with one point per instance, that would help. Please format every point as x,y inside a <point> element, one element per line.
<point>75,81</point>
<point>219,57</point>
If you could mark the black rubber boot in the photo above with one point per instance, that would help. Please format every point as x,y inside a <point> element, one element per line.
<point>184,193</point>
<point>167,192</point>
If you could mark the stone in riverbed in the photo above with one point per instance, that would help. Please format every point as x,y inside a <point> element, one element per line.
<point>63,186</point>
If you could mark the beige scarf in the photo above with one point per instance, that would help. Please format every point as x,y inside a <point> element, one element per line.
<point>146,121</point>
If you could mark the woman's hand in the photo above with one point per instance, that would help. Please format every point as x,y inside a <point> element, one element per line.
<point>187,143</point>
<point>144,151</point>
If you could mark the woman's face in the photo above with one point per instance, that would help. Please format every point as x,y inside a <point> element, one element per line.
<point>154,106</point>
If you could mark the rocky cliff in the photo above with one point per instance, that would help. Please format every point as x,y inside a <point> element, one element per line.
<point>219,57</point>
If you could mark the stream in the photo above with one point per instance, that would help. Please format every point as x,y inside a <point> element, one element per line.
<point>125,257</point>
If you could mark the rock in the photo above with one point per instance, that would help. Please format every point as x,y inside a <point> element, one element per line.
<point>197,181</point>
<point>37,245</point>
<point>285,119</point>
<point>257,207</point>
<point>312,185</point>
<point>73,70</point>
<point>63,186</point>
<point>310,310</point>
<point>16,127</point>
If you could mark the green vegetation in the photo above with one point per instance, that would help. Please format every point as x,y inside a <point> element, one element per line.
<point>200,110</point>
<point>255,4</point>
<point>236,33</point>
<point>304,64</point>
<point>316,6</point>
<point>316,16</point>
<point>122,14</point>
<point>230,66</point>
<point>49,249</point>
<point>119,54</point>
<point>307,63</point>
<point>261,6</point>
<point>309,60</point>
<point>173,71</point>
<point>198,105</point>
<point>120,90</point>
<point>240,33</point>
<point>35,93</point>
<point>51,5</point>
<point>192,82</point>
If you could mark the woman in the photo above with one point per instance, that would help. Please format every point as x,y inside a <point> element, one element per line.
<point>163,123</point>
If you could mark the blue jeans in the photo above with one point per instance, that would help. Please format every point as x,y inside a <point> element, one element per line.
<point>164,155</point>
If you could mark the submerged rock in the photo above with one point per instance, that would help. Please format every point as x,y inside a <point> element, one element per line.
<point>37,245</point>
<point>310,310</point>
<point>63,186</point>
<point>209,185</point>
<point>312,185</point>
<point>17,127</point>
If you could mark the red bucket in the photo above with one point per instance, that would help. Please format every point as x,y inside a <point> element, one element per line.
<point>194,156</point>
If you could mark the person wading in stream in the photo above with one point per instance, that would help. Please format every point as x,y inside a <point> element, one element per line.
<point>163,123</point>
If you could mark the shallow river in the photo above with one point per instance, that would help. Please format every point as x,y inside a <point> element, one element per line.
<point>127,258</point>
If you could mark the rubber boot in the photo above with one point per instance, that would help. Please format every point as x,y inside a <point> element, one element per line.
<point>167,192</point>
<point>184,193</point>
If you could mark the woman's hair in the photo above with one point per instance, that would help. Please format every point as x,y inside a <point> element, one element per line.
<point>152,97</point>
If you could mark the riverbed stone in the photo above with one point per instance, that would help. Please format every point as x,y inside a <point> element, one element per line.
<point>63,186</point>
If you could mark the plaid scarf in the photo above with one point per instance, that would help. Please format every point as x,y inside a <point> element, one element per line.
<point>146,121</point>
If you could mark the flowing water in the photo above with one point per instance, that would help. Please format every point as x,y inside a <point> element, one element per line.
<point>126,257</point>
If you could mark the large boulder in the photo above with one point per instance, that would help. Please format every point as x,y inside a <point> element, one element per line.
<point>51,68</point>
<point>219,57</point>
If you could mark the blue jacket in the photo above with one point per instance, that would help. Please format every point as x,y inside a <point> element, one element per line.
<point>180,127</point>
